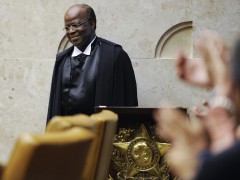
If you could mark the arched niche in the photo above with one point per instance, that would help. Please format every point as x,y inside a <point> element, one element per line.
<point>64,44</point>
<point>177,37</point>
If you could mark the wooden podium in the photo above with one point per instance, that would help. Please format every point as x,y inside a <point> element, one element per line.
<point>138,153</point>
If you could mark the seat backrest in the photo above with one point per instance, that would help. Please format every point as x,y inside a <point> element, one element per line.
<point>62,123</point>
<point>99,157</point>
<point>103,125</point>
<point>52,156</point>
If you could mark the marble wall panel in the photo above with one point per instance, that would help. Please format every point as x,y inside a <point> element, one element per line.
<point>138,25</point>
<point>158,84</point>
<point>24,85</point>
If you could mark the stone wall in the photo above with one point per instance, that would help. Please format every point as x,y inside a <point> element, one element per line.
<point>150,31</point>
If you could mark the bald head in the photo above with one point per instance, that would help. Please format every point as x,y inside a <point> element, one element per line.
<point>80,25</point>
<point>81,10</point>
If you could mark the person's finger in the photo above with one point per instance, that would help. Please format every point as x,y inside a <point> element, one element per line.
<point>180,64</point>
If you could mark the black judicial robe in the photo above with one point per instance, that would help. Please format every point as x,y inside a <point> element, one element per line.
<point>115,81</point>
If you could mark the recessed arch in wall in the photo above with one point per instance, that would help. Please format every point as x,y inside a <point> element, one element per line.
<point>64,44</point>
<point>177,37</point>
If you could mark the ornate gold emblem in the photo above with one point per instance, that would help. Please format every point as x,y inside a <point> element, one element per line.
<point>143,154</point>
<point>140,158</point>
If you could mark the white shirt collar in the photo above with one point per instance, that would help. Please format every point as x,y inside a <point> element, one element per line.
<point>87,51</point>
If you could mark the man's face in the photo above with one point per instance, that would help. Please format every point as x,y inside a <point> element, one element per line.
<point>79,30</point>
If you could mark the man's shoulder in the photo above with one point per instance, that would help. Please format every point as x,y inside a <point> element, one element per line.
<point>63,53</point>
<point>110,43</point>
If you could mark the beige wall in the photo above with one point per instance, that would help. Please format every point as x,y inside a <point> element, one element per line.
<point>150,31</point>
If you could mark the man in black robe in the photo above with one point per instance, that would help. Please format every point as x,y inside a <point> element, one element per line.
<point>92,72</point>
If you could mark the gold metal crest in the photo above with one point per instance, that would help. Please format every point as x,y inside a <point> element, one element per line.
<point>137,155</point>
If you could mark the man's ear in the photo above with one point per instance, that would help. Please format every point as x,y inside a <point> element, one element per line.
<point>93,25</point>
